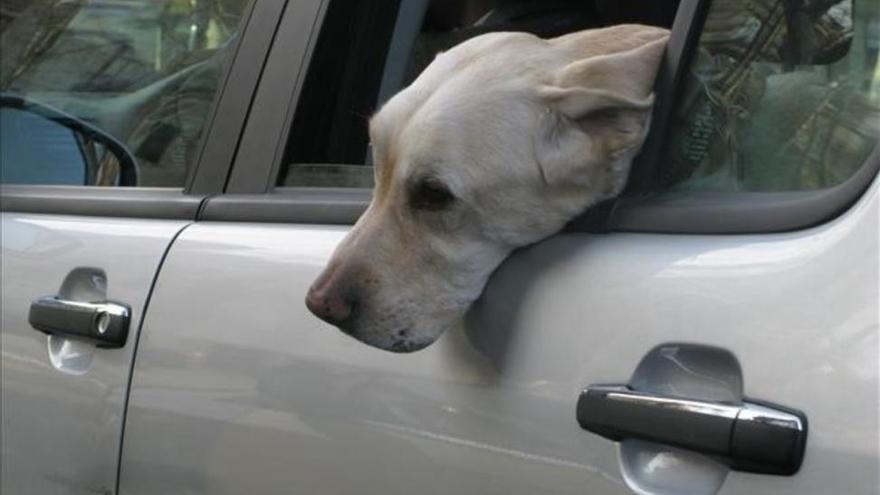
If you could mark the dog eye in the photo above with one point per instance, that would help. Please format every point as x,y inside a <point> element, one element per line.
<point>431,194</point>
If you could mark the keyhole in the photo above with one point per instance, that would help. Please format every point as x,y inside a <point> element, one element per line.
<point>102,322</point>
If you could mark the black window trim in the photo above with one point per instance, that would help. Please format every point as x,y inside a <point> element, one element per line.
<point>264,138</point>
<point>217,146</point>
<point>682,44</point>
<point>253,197</point>
<point>230,112</point>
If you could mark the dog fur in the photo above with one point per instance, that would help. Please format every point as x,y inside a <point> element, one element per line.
<point>499,143</point>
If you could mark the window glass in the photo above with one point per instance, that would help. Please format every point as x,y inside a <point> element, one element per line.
<point>781,95</point>
<point>84,79</point>
<point>367,51</point>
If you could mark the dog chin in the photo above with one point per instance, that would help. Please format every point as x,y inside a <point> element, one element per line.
<point>401,341</point>
<point>408,346</point>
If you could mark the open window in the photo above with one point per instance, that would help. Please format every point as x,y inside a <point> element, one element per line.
<point>367,51</point>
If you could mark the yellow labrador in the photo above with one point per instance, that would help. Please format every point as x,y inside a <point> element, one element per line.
<point>498,144</point>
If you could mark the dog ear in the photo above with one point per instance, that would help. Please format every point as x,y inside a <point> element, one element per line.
<point>600,109</point>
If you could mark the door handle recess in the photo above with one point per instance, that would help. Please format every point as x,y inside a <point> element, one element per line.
<point>104,323</point>
<point>749,436</point>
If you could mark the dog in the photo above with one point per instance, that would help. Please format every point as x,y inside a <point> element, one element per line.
<point>497,144</point>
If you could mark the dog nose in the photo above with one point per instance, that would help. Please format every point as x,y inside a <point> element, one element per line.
<point>329,305</point>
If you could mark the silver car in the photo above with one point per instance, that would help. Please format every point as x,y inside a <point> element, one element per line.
<point>176,172</point>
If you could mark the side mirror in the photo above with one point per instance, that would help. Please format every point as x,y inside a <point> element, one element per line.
<point>43,145</point>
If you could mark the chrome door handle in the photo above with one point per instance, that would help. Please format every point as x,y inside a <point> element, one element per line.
<point>105,323</point>
<point>749,436</point>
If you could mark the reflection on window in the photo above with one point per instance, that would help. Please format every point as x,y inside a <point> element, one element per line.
<point>143,71</point>
<point>781,95</point>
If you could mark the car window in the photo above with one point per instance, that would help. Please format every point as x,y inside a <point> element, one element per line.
<point>136,77</point>
<point>367,51</point>
<point>779,96</point>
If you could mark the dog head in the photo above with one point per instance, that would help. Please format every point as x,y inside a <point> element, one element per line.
<point>499,143</point>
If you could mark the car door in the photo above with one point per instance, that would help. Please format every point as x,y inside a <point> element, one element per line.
<point>734,283</point>
<point>109,94</point>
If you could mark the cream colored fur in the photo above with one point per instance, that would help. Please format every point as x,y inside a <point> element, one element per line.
<point>525,134</point>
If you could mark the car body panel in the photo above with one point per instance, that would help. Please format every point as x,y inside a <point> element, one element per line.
<point>63,400</point>
<point>237,388</point>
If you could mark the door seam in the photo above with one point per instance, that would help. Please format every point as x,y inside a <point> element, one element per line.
<point>134,350</point>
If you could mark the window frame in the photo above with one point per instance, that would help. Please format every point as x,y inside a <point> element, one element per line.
<point>218,143</point>
<point>261,151</point>
<point>251,194</point>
